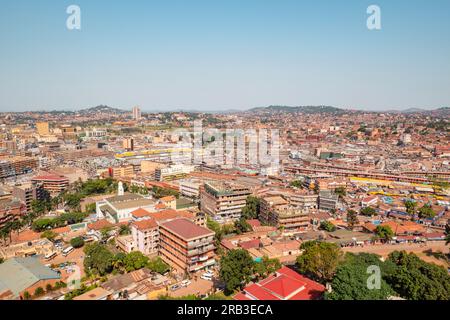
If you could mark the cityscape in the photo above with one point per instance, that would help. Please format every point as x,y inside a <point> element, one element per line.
<point>249,152</point>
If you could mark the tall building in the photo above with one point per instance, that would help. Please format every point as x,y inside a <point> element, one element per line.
<point>43,128</point>
<point>28,192</point>
<point>136,113</point>
<point>128,144</point>
<point>186,246</point>
<point>223,201</point>
<point>173,172</point>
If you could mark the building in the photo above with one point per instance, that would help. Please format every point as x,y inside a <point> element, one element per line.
<point>14,166</point>
<point>186,246</point>
<point>223,201</point>
<point>119,208</point>
<point>29,192</point>
<point>304,201</point>
<point>173,172</point>
<point>136,113</point>
<point>145,234</point>
<point>43,128</point>
<point>328,200</point>
<point>190,188</point>
<point>276,211</point>
<point>20,275</point>
<point>10,210</point>
<point>53,183</point>
<point>128,144</point>
<point>284,284</point>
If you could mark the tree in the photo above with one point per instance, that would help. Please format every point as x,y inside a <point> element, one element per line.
<point>384,233</point>
<point>2,260</point>
<point>26,295</point>
<point>98,259</point>
<point>39,291</point>
<point>368,211</point>
<point>236,269</point>
<point>352,218</point>
<point>411,207</point>
<point>265,267</point>
<point>158,265</point>
<point>242,226</point>
<point>124,229</point>
<point>296,184</point>
<point>48,234</point>
<point>340,191</point>
<point>73,200</point>
<point>77,242</point>
<point>352,277</point>
<point>48,287</point>
<point>415,279</point>
<point>252,207</point>
<point>135,260</point>
<point>327,226</point>
<point>319,259</point>
<point>426,212</point>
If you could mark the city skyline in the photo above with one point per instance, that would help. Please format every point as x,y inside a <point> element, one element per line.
<point>204,56</point>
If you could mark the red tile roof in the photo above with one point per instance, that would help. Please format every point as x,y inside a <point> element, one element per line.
<point>140,213</point>
<point>145,224</point>
<point>100,224</point>
<point>285,284</point>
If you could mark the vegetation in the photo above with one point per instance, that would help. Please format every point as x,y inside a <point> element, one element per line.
<point>236,269</point>
<point>411,207</point>
<point>48,234</point>
<point>415,279</point>
<point>61,221</point>
<point>77,292</point>
<point>447,234</point>
<point>426,212</point>
<point>340,191</point>
<point>352,278</point>
<point>242,226</point>
<point>319,259</point>
<point>368,211</point>
<point>98,259</point>
<point>296,184</point>
<point>384,233</point>
<point>352,218</point>
<point>158,265</point>
<point>265,267</point>
<point>159,192</point>
<point>327,226</point>
<point>252,207</point>
<point>124,230</point>
<point>77,242</point>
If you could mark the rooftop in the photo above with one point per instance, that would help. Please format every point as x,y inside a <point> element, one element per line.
<point>186,229</point>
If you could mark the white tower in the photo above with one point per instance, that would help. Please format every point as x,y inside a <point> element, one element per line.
<point>120,190</point>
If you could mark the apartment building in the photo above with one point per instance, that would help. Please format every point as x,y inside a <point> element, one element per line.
<point>190,188</point>
<point>328,200</point>
<point>53,183</point>
<point>145,234</point>
<point>305,201</point>
<point>10,210</point>
<point>14,166</point>
<point>223,201</point>
<point>186,246</point>
<point>173,172</point>
<point>276,211</point>
<point>29,192</point>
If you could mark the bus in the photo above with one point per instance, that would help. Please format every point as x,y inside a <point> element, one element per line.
<point>50,256</point>
<point>67,251</point>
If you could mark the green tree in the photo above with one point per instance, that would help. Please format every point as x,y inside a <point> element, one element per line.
<point>77,242</point>
<point>26,295</point>
<point>384,233</point>
<point>426,212</point>
<point>39,291</point>
<point>135,260</point>
<point>241,226</point>
<point>368,211</point>
<point>251,208</point>
<point>158,265</point>
<point>447,234</point>
<point>48,234</point>
<point>319,259</point>
<point>236,269</point>
<point>341,192</point>
<point>415,279</point>
<point>352,277</point>
<point>98,259</point>
<point>73,200</point>
<point>124,229</point>
<point>411,207</point>
<point>352,218</point>
<point>327,226</point>
<point>265,267</point>
<point>296,184</point>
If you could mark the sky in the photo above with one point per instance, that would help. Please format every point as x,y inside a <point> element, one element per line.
<point>215,55</point>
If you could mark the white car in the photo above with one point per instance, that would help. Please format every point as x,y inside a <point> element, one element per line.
<point>206,277</point>
<point>185,283</point>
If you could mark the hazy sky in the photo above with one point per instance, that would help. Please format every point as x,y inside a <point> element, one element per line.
<point>224,54</point>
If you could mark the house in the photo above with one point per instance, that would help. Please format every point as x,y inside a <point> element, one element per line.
<point>284,284</point>
<point>20,275</point>
<point>95,294</point>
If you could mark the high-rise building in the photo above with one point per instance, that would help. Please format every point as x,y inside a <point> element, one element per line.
<point>128,144</point>
<point>136,113</point>
<point>43,128</point>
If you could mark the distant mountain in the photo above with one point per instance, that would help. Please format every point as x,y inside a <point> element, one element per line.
<point>102,109</point>
<point>300,109</point>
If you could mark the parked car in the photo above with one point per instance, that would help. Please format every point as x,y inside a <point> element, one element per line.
<point>185,283</point>
<point>175,287</point>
